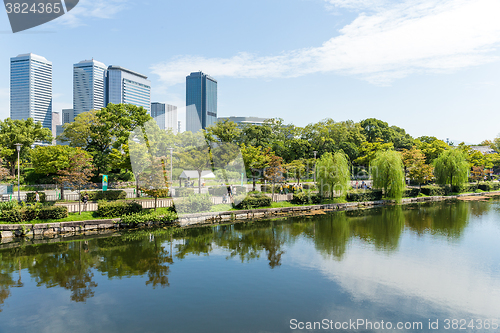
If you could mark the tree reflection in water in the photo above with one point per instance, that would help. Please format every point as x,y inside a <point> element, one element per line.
<point>72,265</point>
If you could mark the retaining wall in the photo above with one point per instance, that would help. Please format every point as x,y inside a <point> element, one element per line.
<point>50,230</point>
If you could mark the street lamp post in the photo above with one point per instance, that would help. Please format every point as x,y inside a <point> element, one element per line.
<point>18,148</point>
<point>315,152</point>
<point>171,166</point>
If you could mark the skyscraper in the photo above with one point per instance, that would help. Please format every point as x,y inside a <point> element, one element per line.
<point>89,86</point>
<point>165,116</point>
<point>201,101</point>
<point>31,88</point>
<point>128,87</point>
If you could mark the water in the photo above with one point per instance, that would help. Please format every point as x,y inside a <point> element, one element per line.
<point>406,264</point>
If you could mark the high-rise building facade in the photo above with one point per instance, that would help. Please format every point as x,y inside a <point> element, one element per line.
<point>128,87</point>
<point>31,88</point>
<point>89,86</point>
<point>165,116</point>
<point>68,116</point>
<point>201,101</point>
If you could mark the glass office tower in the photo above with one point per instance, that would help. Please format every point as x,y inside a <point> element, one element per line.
<point>201,101</point>
<point>128,87</point>
<point>165,116</point>
<point>31,88</point>
<point>89,86</point>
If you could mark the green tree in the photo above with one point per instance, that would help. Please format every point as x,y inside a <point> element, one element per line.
<point>256,159</point>
<point>274,172</point>
<point>25,132</point>
<point>369,150</point>
<point>431,147</point>
<point>333,172</point>
<point>296,168</point>
<point>388,174</point>
<point>451,168</point>
<point>99,132</point>
<point>77,174</point>
<point>223,131</point>
<point>418,170</point>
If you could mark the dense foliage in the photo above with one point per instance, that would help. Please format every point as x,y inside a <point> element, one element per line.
<point>118,209</point>
<point>388,174</point>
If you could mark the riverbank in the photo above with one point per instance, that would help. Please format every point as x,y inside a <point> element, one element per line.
<point>9,232</point>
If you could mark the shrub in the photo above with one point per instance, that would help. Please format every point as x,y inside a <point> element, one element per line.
<point>254,201</point>
<point>29,214</point>
<point>489,186</point>
<point>411,192</point>
<point>12,216</point>
<point>194,203</point>
<point>366,195</point>
<point>183,191</point>
<point>106,195</point>
<point>433,190</point>
<point>9,205</point>
<point>308,187</point>
<point>53,213</point>
<point>218,191</point>
<point>31,197</point>
<point>465,188</point>
<point>167,218</point>
<point>118,209</point>
<point>306,198</point>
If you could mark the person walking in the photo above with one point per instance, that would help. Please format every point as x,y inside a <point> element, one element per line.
<point>85,200</point>
<point>37,197</point>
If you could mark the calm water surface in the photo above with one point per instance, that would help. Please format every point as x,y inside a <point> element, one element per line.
<point>399,264</point>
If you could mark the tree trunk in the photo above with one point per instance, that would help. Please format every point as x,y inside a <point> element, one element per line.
<point>156,202</point>
<point>137,188</point>
<point>253,180</point>
<point>79,202</point>
<point>199,182</point>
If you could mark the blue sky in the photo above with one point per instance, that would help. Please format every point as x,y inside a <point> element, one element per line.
<point>429,66</point>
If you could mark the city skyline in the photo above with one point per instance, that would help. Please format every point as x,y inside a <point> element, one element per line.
<point>428,72</point>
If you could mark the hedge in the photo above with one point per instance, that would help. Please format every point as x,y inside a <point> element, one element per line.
<point>434,190</point>
<point>306,198</point>
<point>411,192</point>
<point>364,195</point>
<point>33,213</point>
<point>106,195</point>
<point>217,191</point>
<point>31,196</point>
<point>118,209</point>
<point>489,186</point>
<point>183,191</point>
<point>167,218</point>
<point>195,203</point>
<point>254,200</point>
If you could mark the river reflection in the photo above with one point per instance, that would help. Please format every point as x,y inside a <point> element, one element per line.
<point>347,242</point>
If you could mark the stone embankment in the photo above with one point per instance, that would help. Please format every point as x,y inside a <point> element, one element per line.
<point>8,232</point>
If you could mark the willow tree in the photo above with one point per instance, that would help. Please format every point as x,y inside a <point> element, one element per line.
<point>451,167</point>
<point>388,174</point>
<point>333,172</point>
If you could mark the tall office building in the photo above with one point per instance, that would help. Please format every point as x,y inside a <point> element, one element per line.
<point>89,86</point>
<point>31,88</point>
<point>68,116</point>
<point>201,101</point>
<point>165,116</point>
<point>128,87</point>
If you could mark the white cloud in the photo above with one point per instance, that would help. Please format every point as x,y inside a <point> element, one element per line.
<point>394,41</point>
<point>92,9</point>
<point>453,280</point>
